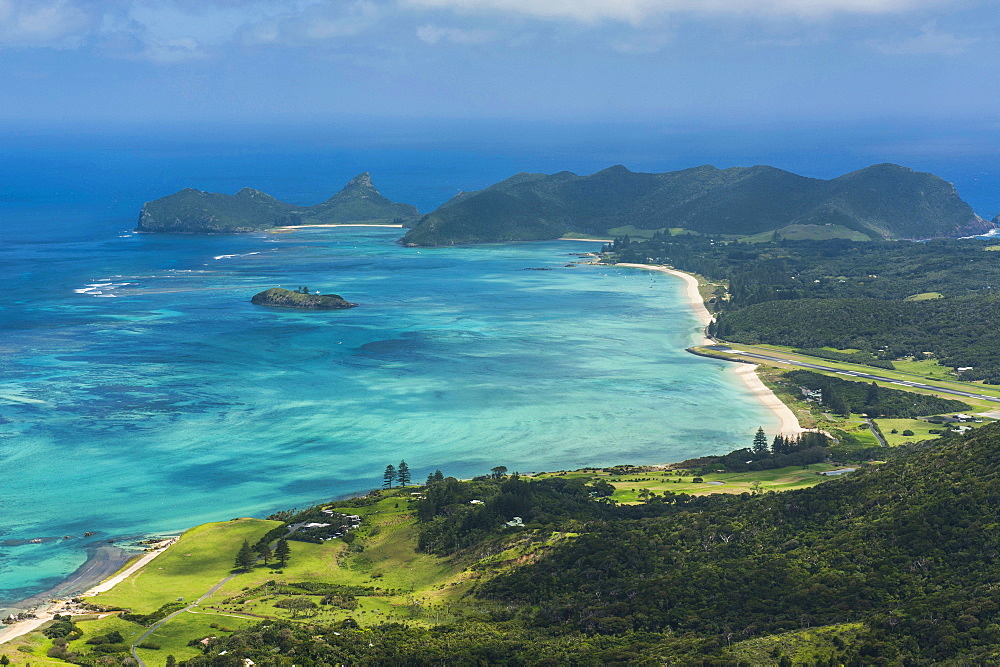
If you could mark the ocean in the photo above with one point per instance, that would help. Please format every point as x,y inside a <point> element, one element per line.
<point>141,393</point>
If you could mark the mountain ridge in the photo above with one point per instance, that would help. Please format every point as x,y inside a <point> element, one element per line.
<point>193,211</point>
<point>881,201</point>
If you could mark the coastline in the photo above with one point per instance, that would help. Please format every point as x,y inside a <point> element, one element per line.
<point>746,372</point>
<point>345,224</point>
<point>103,570</point>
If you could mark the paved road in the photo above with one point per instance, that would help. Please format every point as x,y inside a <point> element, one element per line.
<point>876,432</point>
<point>857,375</point>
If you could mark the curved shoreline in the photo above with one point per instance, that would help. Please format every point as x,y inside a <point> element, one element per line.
<point>94,574</point>
<point>746,372</point>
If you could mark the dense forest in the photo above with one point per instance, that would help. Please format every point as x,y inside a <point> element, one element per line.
<point>848,295</point>
<point>896,562</point>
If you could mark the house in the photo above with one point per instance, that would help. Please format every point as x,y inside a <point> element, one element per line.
<point>515,522</point>
<point>476,502</point>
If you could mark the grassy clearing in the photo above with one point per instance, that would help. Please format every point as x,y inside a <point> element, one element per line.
<point>173,640</point>
<point>802,647</point>
<point>924,296</point>
<point>797,232</point>
<point>29,650</point>
<point>102,626</point>
<point>928,368</point>
<point>633,232</point>
<point>921,430</point>
<point>628,486</point>
<point>189,568</point>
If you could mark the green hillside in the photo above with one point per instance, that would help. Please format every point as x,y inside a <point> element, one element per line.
<point>193,211</point>
<point>894,563</point>
<point>881,201</point>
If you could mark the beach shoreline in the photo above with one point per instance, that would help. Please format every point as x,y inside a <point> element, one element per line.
<point>345,224</point>
<point>746,372</point>
<point>103,570</point>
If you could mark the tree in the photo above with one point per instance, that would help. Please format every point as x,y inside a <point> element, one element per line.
<point>760,442</point>
<point>644,495</point>
<point>265,553</point>
<point>282,552</point>
<point>4,660</point>
<point>873,395</point>
<point>438,476</point>
<point>245,558</point>
<point>498,472</point>
<point>403,473</point>
<point>388,476</point>
<point>171,661</point>
<point>430,479</point>
<point>836,402</point>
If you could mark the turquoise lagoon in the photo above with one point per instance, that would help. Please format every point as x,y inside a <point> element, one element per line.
<point>142,393</point>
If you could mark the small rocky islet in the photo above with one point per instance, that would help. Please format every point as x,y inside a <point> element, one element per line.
<point>285,298</point>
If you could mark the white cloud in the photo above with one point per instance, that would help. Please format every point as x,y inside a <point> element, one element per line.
<point>635,11</point>
<point>172,50</point>
<point>41,23</point>
<point>314,23</point>
<point>928,42</point>
<point>433,34</point>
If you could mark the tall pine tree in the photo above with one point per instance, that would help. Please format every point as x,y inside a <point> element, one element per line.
<point>389,476</point>
<point>245,558</point>
<point>760,442</point>
<point>403,473</point>
<point>282,552</point>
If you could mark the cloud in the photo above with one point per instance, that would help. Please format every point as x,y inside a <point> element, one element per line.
<point>433,34</point>
<point>635,11</point>
<point>41,23</point>
<point>314,23</point>
<point>928,42</point>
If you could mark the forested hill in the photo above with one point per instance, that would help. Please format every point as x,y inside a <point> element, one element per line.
<point>881,201</point>
<point>895,564</point>
<point>193,211</point>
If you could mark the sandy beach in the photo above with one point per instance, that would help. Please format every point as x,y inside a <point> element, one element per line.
<point>284,228</point>
<point>93,569</point>
<point>746,372</point>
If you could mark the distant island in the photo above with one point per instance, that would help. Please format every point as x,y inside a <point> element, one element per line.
<point>192,211</point>
<point>884,201</point>
<point>285,298</point>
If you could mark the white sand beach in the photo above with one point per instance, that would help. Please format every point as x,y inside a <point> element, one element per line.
<point>45,612</point>
<point>355,224</point>
<point>746,372</point>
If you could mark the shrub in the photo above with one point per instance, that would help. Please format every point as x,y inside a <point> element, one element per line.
<point>907,432</point>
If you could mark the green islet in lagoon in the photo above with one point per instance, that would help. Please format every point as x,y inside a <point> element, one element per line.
<point>141,391</point>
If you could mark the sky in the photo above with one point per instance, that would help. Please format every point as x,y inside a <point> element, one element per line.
<point>722,62</point>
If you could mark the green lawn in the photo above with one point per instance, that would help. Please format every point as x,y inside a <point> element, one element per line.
<point>797,232</point>
<point>189,568</point>
<point>629,485</point>
<point>173,640</point>
<point>924,296</point>
<point>921,429</point>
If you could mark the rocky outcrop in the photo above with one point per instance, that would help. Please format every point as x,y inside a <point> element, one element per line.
<point>284,298</point>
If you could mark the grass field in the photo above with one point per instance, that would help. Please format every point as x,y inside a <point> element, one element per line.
<point>924,296</point>
<point>173,640</point>
<point>798,232</point>
<point>200,559</point>
<point>628,486</point>
<point>801,647</point>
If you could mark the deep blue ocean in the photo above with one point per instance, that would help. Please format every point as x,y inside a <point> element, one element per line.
<point>141,392</point>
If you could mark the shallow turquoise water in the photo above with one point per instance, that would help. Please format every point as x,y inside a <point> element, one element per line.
<point>176,401</point>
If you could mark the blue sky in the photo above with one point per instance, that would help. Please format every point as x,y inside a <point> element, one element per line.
<point>716,62</point>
